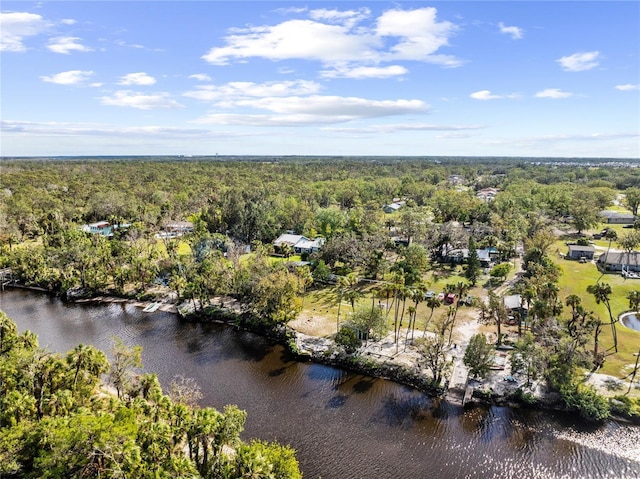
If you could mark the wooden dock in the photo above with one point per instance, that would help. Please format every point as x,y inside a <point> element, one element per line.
<point>468,395</point>
<point>6,277</point>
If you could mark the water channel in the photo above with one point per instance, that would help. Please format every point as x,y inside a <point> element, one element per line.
<point>343,425</point>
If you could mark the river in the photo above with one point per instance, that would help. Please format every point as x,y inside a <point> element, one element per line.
<point>342,425</point>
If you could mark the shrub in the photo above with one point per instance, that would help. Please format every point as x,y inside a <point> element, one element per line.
<point>625,406</point>
<point>587,401</point>
<point>348,339</point>
<point>524,397</point>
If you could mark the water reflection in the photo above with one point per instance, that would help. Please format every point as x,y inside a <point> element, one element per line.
<point>343,425</point>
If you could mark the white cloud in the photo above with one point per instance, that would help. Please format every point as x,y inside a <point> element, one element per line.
<point>394,127</point>
<point>420,34</point>
<point>71,77</point>
<point>586,137</point>
<point>344,17</point>
<point>360,72</point>
<point>516,32</point>
<point>485,95</point>
<point>88,129</point>
<point>234,90</point>
<point>295,39</point>
<point>454,136</point>
<point>395,35</point>
<point>336,105</point>
<point>628,87</point>
<point>579,61</point>
<point>68,21</point>
<point>554,93</point>
<point>122,43</point>
<point>139,78</point>
<point>317,109</point>
<point>66,45</point>
<point>16,26</point>
<point>140,100</point>
<point>200,77</point>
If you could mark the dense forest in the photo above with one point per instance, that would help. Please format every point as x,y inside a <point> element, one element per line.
<point>238,207</point>
<point>56,420</point>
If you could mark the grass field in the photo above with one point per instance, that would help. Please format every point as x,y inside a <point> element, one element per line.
<point>575,279</point>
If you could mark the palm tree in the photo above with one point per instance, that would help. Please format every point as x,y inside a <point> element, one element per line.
<point>497,313</point>
<point>575,302</point>
<point>88,359</point>
<point>602,292</point>
<point>634,372</point>
<point>460,289</point>
<point>306,279</point>
<point>412,321</point>
<point>610,235</point>
<point>8,332</point>
<point>634,300</point>
<point>417,295</point>
<point>432,303</point>
<point>352,294</point>
<point>346,286</point>
<point>402,293</point>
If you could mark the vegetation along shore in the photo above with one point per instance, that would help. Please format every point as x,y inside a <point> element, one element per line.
<point>478,279</point>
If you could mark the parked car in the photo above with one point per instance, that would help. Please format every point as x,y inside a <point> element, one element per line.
<point>468,301</point>
<point>429,294</point>
<point>450,298</point>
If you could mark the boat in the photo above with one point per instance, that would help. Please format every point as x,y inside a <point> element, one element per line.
<point>151,307</point>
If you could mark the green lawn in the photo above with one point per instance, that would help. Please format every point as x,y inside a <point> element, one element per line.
<point>574,279</point>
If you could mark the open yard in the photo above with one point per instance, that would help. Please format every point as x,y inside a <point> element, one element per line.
<point>575,279</point>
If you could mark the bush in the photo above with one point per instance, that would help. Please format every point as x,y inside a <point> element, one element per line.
<point>500,271</point>
<point>587,401</point>
<point>625,406</point>
<point>348,339</point>
<point>524,397</point>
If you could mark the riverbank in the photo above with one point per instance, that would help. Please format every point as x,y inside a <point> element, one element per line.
<point>381,359</point>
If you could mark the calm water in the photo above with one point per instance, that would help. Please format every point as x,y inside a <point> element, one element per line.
<point>342,425</point>
<point>630,320</point>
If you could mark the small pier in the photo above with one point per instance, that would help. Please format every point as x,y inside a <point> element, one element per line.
<point>6,278</point>
<point>468,395</point>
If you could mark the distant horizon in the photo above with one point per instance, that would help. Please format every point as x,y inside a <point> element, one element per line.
<point>320,156</point>
<point>350,78</point>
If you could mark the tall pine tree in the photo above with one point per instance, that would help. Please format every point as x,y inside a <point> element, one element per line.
<point>472,270</point>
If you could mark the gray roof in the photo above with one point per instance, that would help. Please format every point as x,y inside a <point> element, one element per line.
<point>616,214</point>
<point>631,259</point>
<point>512,302</point>
<point>577,247</point>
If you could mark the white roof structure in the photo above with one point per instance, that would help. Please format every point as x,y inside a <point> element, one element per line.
<point>299,243</point>
<point>289,239</point>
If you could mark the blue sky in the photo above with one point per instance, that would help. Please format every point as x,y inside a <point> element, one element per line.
<point>477,78</point>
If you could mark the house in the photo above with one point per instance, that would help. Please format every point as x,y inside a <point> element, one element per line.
<point>456,180</point>
<point>617,261</point>
<point>577,251</point>
<point>179,227</point>
<point>393,207</point>
<point>512,302</point>
<point>515,308</point>
<point>299,243</point>
<point>617,217</point>
<point>103,228</point>
<point>487,256</point>
<point>175,229</point>
<point>487,194</point>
